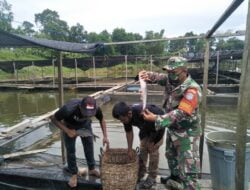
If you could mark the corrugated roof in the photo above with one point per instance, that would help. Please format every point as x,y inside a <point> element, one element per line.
<point>15,40</point>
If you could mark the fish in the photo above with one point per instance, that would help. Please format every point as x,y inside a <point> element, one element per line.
<point>143,90</point>
<point>86,133</point>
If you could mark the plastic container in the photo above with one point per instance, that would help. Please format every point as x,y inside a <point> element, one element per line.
<point>221,150</point>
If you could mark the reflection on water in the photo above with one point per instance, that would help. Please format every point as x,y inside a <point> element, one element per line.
<point>17,106</point>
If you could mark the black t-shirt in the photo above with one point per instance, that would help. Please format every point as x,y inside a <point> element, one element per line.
<point>72,115</point>
<point>147,129</point>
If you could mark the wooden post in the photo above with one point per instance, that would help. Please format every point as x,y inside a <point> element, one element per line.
<point>54,73</point>
<point>32,64</point>
<point>19,103</point>
<point>204,100</point>
<point>14,67</point>
<point>151,63</point>
<point>136,66</point>
<point>28,73</point>
<point>94,73</point>
<point>17,74</point>
<point>217,67</point>
<point>76,78</point>
<point>42,72</point>
<point>60,89</point>
<point>107,69</point>
<point>126,68</point>
<point>243,111</point>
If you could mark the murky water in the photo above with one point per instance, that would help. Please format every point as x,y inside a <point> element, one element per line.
<point>17,106</point>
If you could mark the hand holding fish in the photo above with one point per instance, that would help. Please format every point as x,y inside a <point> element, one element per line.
<point>149,116</point>
<point>143,75</point>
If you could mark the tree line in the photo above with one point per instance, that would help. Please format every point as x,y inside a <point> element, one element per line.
<point>51,26</point>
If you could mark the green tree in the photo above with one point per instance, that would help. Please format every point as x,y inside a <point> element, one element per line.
<point>230,44</point>
<point>139,48</point>
<point>52,26</point>
<point>191,43</point>
<point>77,33</point>
<point>176,46</point>
<point>200,45</point>
<point>234,44</point>
<point>26,29</point>
<point>120,35</point>
<point>154,47</point>
<point>220,45</point>
<point>104,36</point>
<point>6,16</point>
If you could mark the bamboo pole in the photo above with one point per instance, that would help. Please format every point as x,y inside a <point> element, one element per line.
<point>60,88</point>
<point>19,103</point>
<point>238,33</point>
<point>42,72</point>
<point>94,72</point>
<point>136,66</point>
<point>17,74</point>
<point>33,73</point>
<point>126,68</point>
<point>243,111</point>
<point>28,73</point>
<point>217,66</point>
<point>76,78</point>
<point>14,68</point>
<point>54,72</point>
<point>22,153</point>
<point>204,100</point>
<point>151,63</point>
<point>107,69</point>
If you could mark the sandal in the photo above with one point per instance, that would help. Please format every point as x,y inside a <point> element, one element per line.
<point>148,183</point>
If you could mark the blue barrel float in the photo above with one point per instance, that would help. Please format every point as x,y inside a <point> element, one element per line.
<point>222,157</point>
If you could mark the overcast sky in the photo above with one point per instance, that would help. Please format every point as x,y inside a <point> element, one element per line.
<point>176,17</point>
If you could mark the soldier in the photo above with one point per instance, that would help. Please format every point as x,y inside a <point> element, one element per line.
<point>182,98</point>
<point>150,139</point>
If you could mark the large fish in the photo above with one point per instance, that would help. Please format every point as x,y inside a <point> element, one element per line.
<point>143,91</point>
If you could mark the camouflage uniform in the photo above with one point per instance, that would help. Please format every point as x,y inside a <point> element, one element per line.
<point>183,123</point>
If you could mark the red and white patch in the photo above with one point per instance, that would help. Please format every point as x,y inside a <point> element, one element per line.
<point>189,96</point>
<point>90,107</point>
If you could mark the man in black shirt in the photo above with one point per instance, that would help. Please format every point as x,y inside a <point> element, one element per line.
<point>73,117</point>
<point>150,139</point>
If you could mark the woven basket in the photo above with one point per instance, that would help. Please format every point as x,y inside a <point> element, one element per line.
<point>117,171</point>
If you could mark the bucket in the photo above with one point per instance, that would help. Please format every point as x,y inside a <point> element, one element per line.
<point>118,172</point>
<point>222,157</point>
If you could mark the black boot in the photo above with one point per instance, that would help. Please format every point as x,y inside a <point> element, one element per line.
<point>165,179</point>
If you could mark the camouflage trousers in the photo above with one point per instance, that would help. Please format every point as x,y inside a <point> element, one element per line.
<point>149,150</point>
<point>182,154</point>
